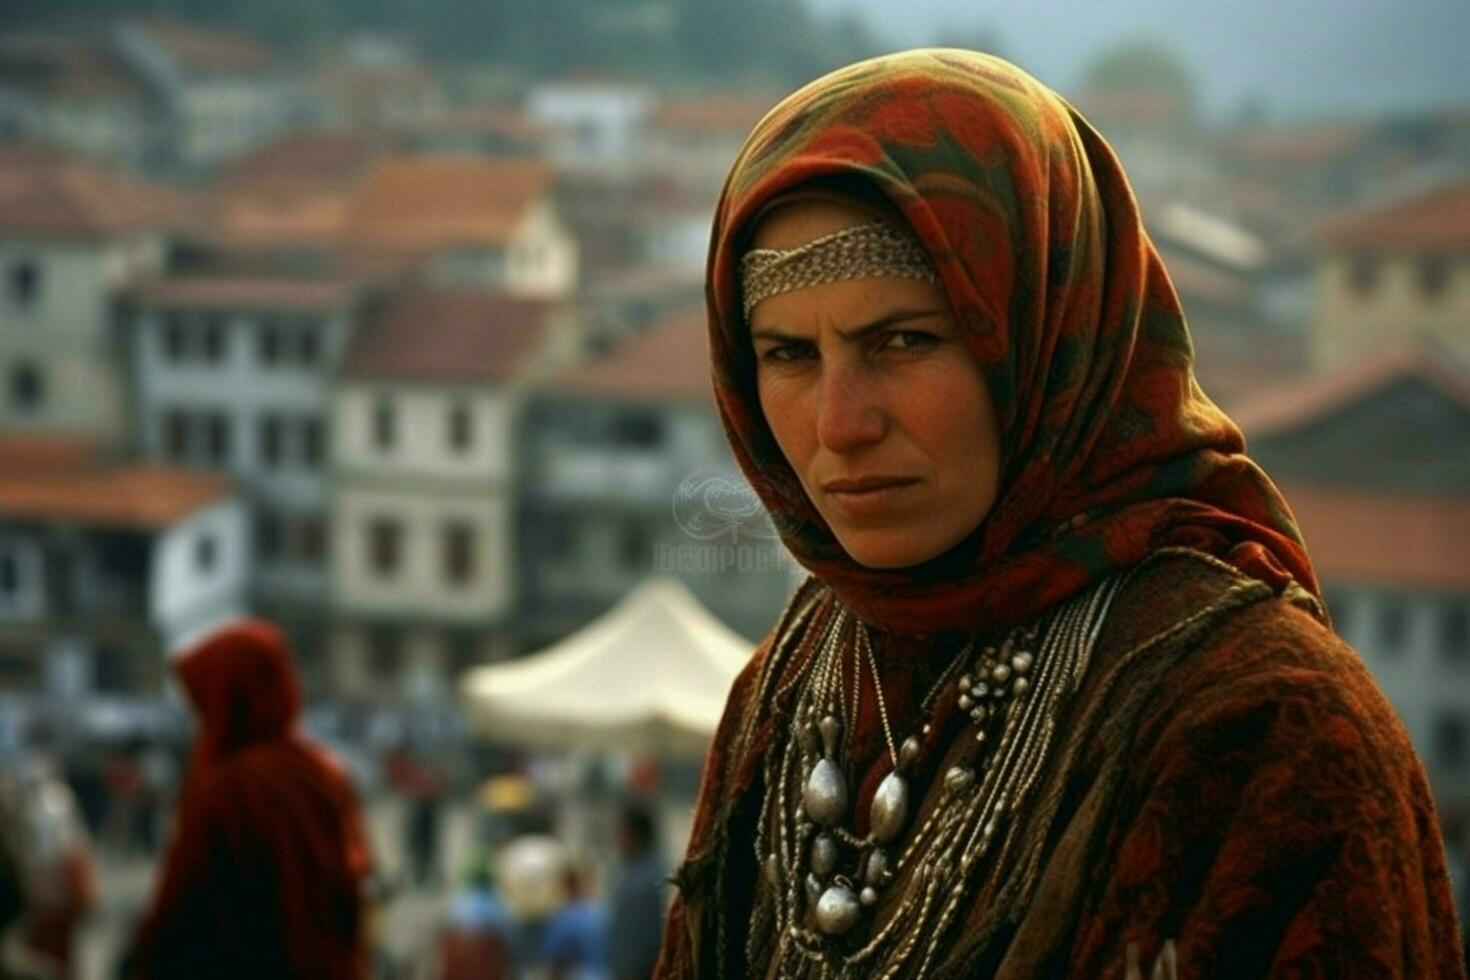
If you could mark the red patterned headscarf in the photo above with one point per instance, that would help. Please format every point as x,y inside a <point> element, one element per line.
<point>1109,448</point>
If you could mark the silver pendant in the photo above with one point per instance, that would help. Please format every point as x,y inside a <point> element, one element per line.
<point>825,795</point>
<point>837,910</point>
<point>890,808</point>
<point>824,855</point>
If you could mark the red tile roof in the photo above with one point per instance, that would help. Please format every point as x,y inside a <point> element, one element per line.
<point>209,50</point>
<point>298,162</point>
<point>1295,148</point>
<point>47,193</point>
<point>1435,219</point>
<point>1291,406</point>
<point>668,361</point>
<point>58,479</point>
<point>242,293</point>
<point>452,336</point>
<point>733,114</point>
<point>1384,539</point>
<point>425,203</point>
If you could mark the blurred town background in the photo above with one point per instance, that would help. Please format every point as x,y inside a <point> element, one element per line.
<point>384,321</point>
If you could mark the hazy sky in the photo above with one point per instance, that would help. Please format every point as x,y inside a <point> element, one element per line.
<point>1305,57</point>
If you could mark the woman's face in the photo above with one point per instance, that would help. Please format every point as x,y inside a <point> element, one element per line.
<point>875,401</point>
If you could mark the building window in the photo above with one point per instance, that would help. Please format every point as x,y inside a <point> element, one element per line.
<point>175,338</point>
<point>214,341</point>
<point>641,431</point>
<point>313,538</point>
<point>308,346</point>
<point>269,536</point>
<point>1434,275</point>
<point>217,438</point>
<point>1393,625</point>
<point>313,440</point>
<point>1363,275</point>
<point>27,389</point>
<point>382,653</point>
<point>270,343</point>
<point>1451,741</point>
<point>635,545</point>
<point>461,431</point>
<point>384,545</point>
<point>270,440</point>
<point>9,574</point>
<point>175,435</point>
<point>206,553</point>
<point>459,553</point>
<point>1454,632</point>
<point>385,429</point>
<point>24,283</point>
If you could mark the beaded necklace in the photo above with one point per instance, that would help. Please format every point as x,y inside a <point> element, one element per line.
<point>824,879</point>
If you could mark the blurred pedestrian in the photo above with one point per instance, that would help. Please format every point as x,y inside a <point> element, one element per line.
<point>574,943</point>
<point>422,792</point>
<point>475,941</point>
<point>266,871</point>
<point>58,858</point>
<point>639,898</point>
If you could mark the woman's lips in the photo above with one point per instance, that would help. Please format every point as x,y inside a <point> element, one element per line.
<point>867,497</point>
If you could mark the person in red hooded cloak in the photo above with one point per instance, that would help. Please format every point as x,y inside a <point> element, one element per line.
<point>266,871</point>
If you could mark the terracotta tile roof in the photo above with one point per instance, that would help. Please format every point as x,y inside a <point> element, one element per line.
<point>1295,148</point>
<point>1435,219</point>
<point>453,335</point>
<point>242,293</point>
<point>424,203</point>
<point>46,453</point>
<point>65,68</point>
<point>47,193</point>
<point>209,50</point>
<point>1292,406</point>
<point>668,361</point>
<point>1384,539</point>
<point>488,120</point>
<point>297,162</point>
<point>57,479</point>
<point>287,221</point>
<point>732,114</point>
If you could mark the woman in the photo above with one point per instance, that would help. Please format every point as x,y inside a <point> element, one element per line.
<point>1060,698</point>
<point>266,872</point>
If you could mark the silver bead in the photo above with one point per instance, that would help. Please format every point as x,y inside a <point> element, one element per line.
<point>837,910</point>
<point>980,690</point>
<point>958,778</point>
<point>773,873</point>
<point>877,871</point>
<point>1021,686</point>
<point>1022,662</point>
<point>980,736</point>
<point>966,703</point>
<point>1001,673</point>
<point>908,752</point>
<point>825,795</point>
<point>868,896</point>
<point>831,730</point>
<point>824,855</point>
<point>890,807</point>
<point>966,681</point>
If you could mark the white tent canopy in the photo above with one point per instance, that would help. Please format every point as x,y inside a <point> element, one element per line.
<point>651,675</point>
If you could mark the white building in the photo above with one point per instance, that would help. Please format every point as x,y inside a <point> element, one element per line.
<point>219,93</point>
<point>423,426</point>
<point>596,125</point>
<point>71,236</point>
<point>107,567</point>
<point>233,374</point>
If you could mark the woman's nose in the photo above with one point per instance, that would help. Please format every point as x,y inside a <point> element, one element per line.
<point>850,413</point>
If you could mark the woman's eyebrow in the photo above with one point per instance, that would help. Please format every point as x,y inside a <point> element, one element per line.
<point>855,333</point>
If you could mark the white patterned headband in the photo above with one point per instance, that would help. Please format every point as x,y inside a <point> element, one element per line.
<point>866,251</point>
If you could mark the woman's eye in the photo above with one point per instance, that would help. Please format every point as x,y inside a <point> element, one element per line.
<point>909,340</point>
<point>788,352</point>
